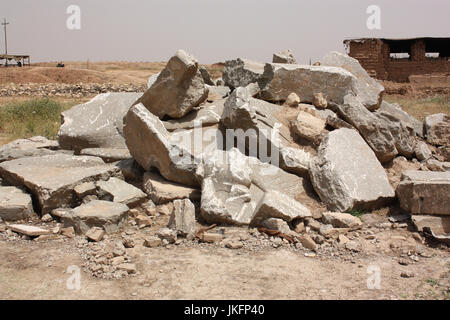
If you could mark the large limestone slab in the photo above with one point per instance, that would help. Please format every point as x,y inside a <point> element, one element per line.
<point>347,175</point>
<point>280,80</point>
<point>31,147</point>
<point>150,145</point>
<point>52,178</point>
<point>97,123</point>
<point>107,154</point>
<point>178,89</point>
<point>162,191</point>
<point>370,91</point>
<point>119,191</point>
<point>110,216</point>
<point>374,130</point>
<point>27,230</point>
<point>14,204</point>
<point>242,72</point>
<point>425,192</point>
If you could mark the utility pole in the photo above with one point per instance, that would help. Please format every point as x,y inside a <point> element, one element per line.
<point>4,24</point>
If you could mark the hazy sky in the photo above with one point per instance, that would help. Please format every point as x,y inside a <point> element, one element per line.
<point>212,30</point>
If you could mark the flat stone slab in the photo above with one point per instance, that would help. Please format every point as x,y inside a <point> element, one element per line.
<point>21,148</point>
<point>97,123</point>
<point>30,231</point>
<point>346,173</point>
<point>107,154</point>
<point>121,192</point>
<point>53,178</point>
<point>102,214</point>
<point>14,204</point>
<point>162,191</point>
<point>439,226</point>
<point>425,192</point>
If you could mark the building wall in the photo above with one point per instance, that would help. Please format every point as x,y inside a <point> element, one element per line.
<point>374,57</point>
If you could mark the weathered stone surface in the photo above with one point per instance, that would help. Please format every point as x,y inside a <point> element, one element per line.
<point>52,178</point>
<point>206,76</point>
<point>437,127</point>
<point>97,123</point>
<point>21,148</point>
<point>183,218</point>
<point>422,151</point>
<point>95,234</point>
<point>152,242</point>
<point>131,170</point>
<point>178,89</point>
<point>117,190</point>
<point>308,126</point>
<point>107,154</point>
<point>319,101</point>
<point>307,242</point>
<point>14,204</point>
<point>285,56</point>
<point>375,131</point>
<point>435,165</point>
<point>295,160</point>
<point>438,226</point>
<point>293,100</point>
<point>150,145</point>
<point>110,216</point>
<point>280,80</point>
<point>162,191</point>
<point>370,91</point>
<point>275,204</point>
<point>216,93</point>
<point>342,220</point>
<point>277,225</point>
<point>167,234</point>
<point>396,111</point>
<point>208,115</point>
<point>85,189</point>
<point>347,175</point>
<point>152,79</point>
<point>425,192</point>
<point>30,231</point>
<point>241,72</point>
<point>227,196</point>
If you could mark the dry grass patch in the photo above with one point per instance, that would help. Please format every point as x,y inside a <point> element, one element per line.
<point>422,107</point>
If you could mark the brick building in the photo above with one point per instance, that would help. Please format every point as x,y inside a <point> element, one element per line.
<point>397,59</point>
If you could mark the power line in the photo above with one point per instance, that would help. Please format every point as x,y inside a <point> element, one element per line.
<point>4,24</point>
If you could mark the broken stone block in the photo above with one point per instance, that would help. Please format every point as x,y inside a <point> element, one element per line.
<point>293,100</point>
<point>178,89</point>
<point>277,225</point>
<point>217,93</point>
<point>285,56</point>
<point>210,237</point>
<point>307,242</point>
<point>438,226</point>
<point>341,220</point>
<point>374,130</point>
<point>150,144</point>
<point>370,91</point>
<point>31,147</point>
<point>162,191</point>
<point>183,218</point>
<point>242,72</point>
<point>152,242</point>
<point>206,76</point>
<point>295,160</point>
<point>30,231</point>
<point>97,123</point>
<point>120,191</point>
<point>425,192</point>
<point>47,218</point>
<point>102,214</point>
<point>347,175</point>
<point>422,151</point>
<point>131,170</point>
<point>308,126</point>
<point>167,234</point>
<point>396,111</point>
<point>69,232</point>
<point>15,204</point>
<point>85,189</point>
<point>128,267</point>
<point>53,178</point>
<point>319,101</point>
<point>437,127</point>
<point>108,155</point>
<point>95,234</point>
<point>275,204</point>
<point>280,80</point>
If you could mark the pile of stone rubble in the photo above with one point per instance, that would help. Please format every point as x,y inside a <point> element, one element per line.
<point>77,90</point>
<point>292,150</point>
